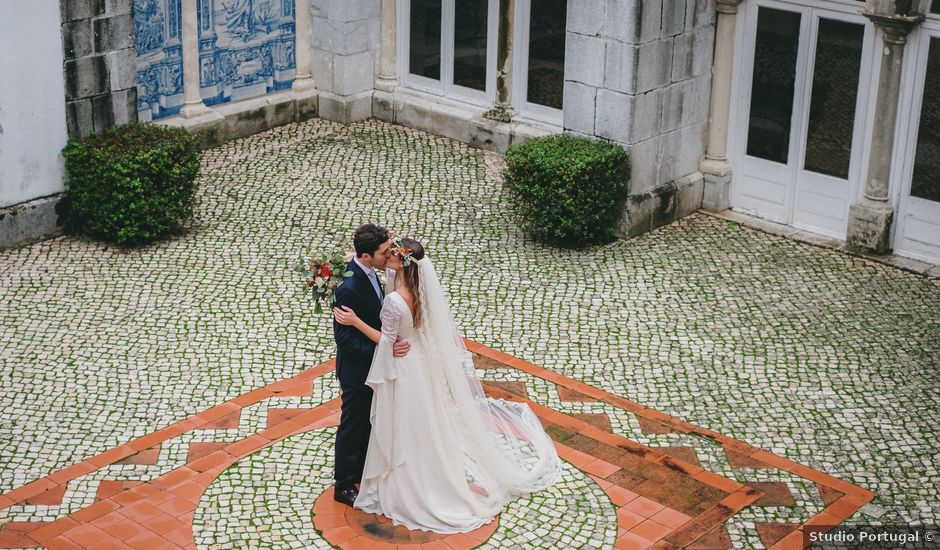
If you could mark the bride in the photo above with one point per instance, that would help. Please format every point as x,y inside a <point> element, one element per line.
<point>442,456</point>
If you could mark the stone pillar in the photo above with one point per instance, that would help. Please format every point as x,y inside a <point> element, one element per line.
<point>715,166</point>
<point>303,79</point>
<point>388,73</point>
<point>502,110</point>
<point>192,99</point>
<point>870,218</point>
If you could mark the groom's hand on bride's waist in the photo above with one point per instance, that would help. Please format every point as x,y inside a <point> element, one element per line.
<point>400,348</point>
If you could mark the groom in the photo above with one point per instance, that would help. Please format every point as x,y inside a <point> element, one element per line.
<point>363,294</point>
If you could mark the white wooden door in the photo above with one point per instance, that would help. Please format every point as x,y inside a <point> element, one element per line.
<point>918,226</point>
<point>803,94</point>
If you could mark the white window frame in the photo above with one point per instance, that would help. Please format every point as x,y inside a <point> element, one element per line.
<point>520,71</point>
<point>930,14</point>
<point>445,87</point>
<point>905,145</point>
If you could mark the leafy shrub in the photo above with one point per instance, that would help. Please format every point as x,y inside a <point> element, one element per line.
<point>132,184</point>
<point>568,190</point>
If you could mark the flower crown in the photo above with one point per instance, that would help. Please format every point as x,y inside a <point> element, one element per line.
<point>406,254</point>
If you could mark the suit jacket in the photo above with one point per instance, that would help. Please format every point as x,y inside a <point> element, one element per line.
<point>353,349</point>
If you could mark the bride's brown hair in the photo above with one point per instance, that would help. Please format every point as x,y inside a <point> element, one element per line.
<point>410,274</point>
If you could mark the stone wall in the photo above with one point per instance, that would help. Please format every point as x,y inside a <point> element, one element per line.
<point>642,78</point>
<point>100,64</point>
<point>345,53</point>
<point>637,73</point>
<point>78,80</point>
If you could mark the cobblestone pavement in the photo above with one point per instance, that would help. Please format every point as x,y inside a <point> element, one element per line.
<point>823,358</point>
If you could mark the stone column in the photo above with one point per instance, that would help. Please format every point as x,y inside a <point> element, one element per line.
<point>192,99</point>
<point>388,72</point>
<point>870,218</point>
<point>502,110</point>
<point>715,166</point>
<point>303,79</point>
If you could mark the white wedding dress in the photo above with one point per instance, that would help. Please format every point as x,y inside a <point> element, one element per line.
<point>442,456</point>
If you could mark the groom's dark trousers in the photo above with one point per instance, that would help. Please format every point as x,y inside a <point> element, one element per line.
<point>353,358</point>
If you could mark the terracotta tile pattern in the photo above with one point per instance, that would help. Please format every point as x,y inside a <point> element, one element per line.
<point>147,456</point>
<point>683,453</point>
<point>225,422</point>
<point>15,534</point>
<point>601,421</point>
<point>108,488</point>
<point>50,497</point>
<point>664,499</point>
<point>828,494</point>
<point>776,493</point>
<point>648,426</point>
<point>739,453</point>
<point>515,388</point>
<point>743,460</point>
<point>199,449</point>
<point>654,500</point>
<point>572,396</point>
<point>771,533</point>
<point>276,416</point>
<point>716,539</point>
<point>349,528</point>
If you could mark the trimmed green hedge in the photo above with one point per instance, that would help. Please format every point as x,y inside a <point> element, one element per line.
<point>569,190</point>
<point>131,185</point>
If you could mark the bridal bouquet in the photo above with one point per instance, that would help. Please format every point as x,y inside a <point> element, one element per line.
<point>324,274</point>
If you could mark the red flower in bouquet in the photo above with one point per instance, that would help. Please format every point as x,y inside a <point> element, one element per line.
<point>324,274</point>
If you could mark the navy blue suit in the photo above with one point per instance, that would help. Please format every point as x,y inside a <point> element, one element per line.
<point>353,358</point>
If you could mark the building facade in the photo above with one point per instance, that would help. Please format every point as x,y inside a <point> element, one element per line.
<point>834,121</point>
<point>819,114</point>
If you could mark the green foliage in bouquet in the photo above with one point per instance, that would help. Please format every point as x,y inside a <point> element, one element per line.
<point>323,273</point>
<point>132,184</point>
<point>568,190</point>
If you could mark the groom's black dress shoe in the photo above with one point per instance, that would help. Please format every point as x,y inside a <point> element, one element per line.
<point>346,496</point>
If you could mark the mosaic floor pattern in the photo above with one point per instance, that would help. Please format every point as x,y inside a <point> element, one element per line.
<point>256,471</point>
<point>821,357</point>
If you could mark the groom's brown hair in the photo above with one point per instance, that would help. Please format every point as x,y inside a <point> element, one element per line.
<point>368,238</point>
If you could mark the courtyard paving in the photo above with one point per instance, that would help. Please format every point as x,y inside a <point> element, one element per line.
<point>814,356</point>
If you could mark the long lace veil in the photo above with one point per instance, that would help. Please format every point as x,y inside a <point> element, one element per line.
<point>506,451</point>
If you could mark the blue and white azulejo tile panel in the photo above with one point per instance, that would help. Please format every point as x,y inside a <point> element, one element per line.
<point>158,31</point>
<point>246,48</point>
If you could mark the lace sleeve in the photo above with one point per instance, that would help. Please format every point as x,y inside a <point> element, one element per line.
<point>390,317</point>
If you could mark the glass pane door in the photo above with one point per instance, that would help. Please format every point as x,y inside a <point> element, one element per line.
<point>539,60</point>
<point>471,28</point>
<point>772,85</point>
<point>925,183</point>
<point>546,74</point>
<point>835,93</point>
<point>799,158</point>
<point>831,134</point>
<point>918,231</point>
<point>424,40</point>
<point>772,81</point>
